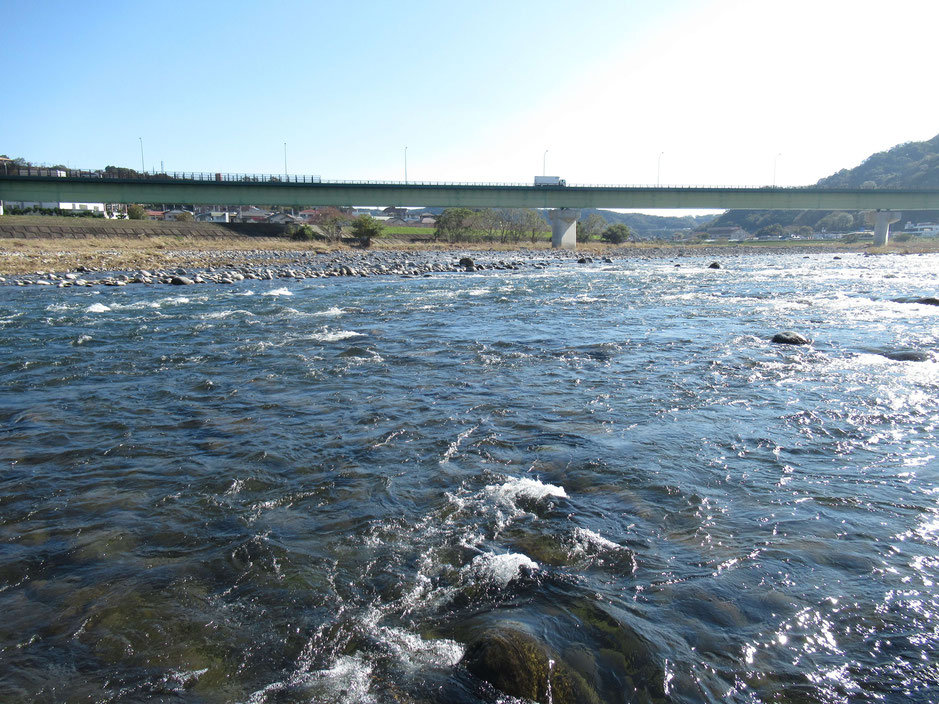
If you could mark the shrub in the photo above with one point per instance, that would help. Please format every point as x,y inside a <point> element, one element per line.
<point>304,233</point>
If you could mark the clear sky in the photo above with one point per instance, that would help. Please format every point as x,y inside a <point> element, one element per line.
<point>718,92</point>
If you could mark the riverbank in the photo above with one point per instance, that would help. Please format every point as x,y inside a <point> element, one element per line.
<point>31,251</point>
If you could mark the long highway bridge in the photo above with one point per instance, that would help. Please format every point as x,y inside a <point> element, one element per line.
<point>564,201</point>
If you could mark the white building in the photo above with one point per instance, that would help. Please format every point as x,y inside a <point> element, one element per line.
<point>922,229</point>
<point>52,205</point>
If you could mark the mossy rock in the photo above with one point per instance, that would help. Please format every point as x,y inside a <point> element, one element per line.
<point>517,664</point>
<point>626,657</point>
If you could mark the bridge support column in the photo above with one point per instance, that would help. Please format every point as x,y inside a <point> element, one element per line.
<point>564,228</point>
<point>882,220</point>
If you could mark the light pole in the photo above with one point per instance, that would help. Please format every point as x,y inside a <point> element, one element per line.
<point>544,162</point>
<point>142,167</point>
<point>658,173</point>
<point>775,161</point>
<point>285,161</point>
<point>405,164</point>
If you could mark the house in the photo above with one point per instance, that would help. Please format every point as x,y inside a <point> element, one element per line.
<point>285,219</point>
<point>174,215</point>
<point>214,216</point>
<point>153,214</point>
<point>728,233</point>
<point>393,212</point>
<point>252,214</point>
<point>393,222</point>
<point>428,220</point>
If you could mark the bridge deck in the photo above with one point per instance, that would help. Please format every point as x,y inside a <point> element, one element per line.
<point>313,193</point>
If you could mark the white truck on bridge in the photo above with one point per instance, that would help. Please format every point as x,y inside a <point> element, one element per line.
<point>549,181</point>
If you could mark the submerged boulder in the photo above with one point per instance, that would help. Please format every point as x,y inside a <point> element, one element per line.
<point>714,265</point>
<point>928,301</point>
<point>515,663</point>
<point>907,355</point>
<point>790,338</point>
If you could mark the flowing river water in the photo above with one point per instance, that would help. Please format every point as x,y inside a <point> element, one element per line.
<point>327,490</point>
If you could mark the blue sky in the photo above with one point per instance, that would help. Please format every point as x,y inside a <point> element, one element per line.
<point>706,92</point>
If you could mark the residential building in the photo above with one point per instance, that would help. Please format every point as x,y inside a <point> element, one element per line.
<point>174,215</point>
<point>214,216</point>
<point>285,219</point>
<point>251,214</point>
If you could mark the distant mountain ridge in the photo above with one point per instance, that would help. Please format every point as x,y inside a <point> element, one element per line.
<point>908,165</point>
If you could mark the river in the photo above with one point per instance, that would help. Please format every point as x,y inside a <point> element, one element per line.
<point>327,490</point>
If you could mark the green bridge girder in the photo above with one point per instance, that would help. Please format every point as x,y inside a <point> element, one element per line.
<point>105,190</point>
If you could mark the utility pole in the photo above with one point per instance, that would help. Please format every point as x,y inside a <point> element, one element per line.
<point>405,164</point>
<point>544,162</point>
<point>142,167</point>
<point>285,161</point>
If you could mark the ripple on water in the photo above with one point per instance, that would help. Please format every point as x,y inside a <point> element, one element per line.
<point>223,497</point>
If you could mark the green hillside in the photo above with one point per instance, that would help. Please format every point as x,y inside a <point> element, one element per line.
<point>909,165</point>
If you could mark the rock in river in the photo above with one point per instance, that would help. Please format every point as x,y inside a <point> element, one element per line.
<point>907,355</point>
<point>181,281</point>
<point>516,663</point>
<point>790,338</point>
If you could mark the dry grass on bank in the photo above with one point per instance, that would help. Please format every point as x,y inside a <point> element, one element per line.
<point>23,256</point>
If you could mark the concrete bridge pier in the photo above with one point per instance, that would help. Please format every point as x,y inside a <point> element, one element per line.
<point>882,220</point>
<point>564,228</point>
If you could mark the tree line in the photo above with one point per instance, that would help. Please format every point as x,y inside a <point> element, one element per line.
<point>515,225</point>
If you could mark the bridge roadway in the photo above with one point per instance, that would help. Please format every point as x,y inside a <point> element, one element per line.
<point>241,190</point>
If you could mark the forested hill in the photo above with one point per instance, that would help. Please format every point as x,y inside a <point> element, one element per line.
<point>910,165</point>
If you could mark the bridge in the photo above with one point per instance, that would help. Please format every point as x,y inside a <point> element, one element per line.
<point>564,202</point>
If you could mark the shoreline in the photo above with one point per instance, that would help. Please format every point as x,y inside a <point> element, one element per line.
<point>119,260</point>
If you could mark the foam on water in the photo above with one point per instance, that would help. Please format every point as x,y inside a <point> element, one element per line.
<point>97,308</point>
<point>333,335</point>
<point>222,314</point>
<point>515,488</point>
<point>499,569</point>
<point>332,312</point>
<point>283,291</point>
<point>586,539</point>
